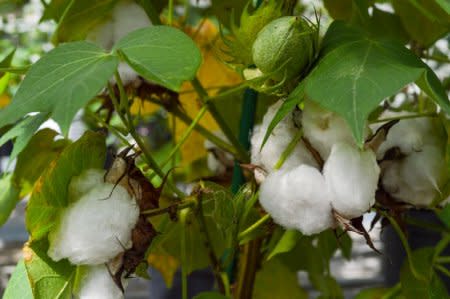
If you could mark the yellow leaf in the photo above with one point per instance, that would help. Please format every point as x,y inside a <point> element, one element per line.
<point>144,108</point>
<point>4,100</point>
<point>167,265</point>
<point>213,75</point>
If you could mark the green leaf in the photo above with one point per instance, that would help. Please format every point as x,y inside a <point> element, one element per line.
<point>373,293</point>
<point>19,286</point>
<point>38,276</point>
<point>22,133</point>
<point>37,155</point>
<point>55,10</point>
<point>339,10</point>
<point>210,295</point>
<point>159,53</point>
<point>286,243</point>
<point>294,99</point>
<point>430,287</point>
<point>81,16</point>
<point>9,196</point>
<point>61,83</point>
<point>48,279</point>
<point>425,21</point>
<point>357,72</point>
<point>49,195</point>
<point>445,5</point>
<point>276,280</point>
<point>444,215</point>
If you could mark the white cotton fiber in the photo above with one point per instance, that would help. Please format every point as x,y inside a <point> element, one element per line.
<point>351,176</point>
<point>97,283</point>
<point>416,179</point>
<point>410,135</point>
<point>324,128</point>
<point>298,199</point>
<point>277,143</point>
<point>87,180</point>
<point>96,227</point>
<point>128,16</point>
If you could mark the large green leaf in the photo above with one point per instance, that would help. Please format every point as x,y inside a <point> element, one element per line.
<point>9,196</point>
<point>425,21</point>
<point>286,243</point>
<point>41,150</point>
<point>19,286</point>
<point>22,133</point>
<point>61,83</point>
<point>49,195</point>
<point>357,72</point>
<point>37,276</point>
<point>80,16</point>
<point>162,54</point>
<point>276,280</point>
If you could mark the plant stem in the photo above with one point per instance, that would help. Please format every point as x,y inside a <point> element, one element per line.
<point>170,17</point>
<point>215,263</point>
<point>443,270</point>
<point>203,95</point>
<point>187,202</point>
<point>248,265</point>
<point>387,119</point>
<point>186,134</point>
<point>184,274</point>
<point>443,260</point>
<point>128,121</point>
<point>287,152</point>
<point>254,227</point>
<point>405,243</point>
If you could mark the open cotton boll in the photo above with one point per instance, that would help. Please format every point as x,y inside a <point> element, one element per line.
<point>410,135</point>
<point>95,228</point>
<point>128,16</point>
<point>87,180</point>
<point>97,283</point>
<point>352,178</point>
<point>277,143</point>
<point>298,199</point>
<point>324,128</point>
<point>416,179</point>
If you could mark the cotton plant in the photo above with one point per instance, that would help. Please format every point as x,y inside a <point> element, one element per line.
<point>301,195</point>
<point>268,156</point>
<point>97,225</point>
<point>417,175</point>
<point>96,282</point>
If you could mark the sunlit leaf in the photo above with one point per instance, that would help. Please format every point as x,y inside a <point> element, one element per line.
<point>61,83</point>
<point>9,196</point>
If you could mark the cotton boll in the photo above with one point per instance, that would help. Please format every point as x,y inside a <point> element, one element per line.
<point>128,16</point>
<point>324,128</point>
<point>95,228</point>
<point>277,143</point>
<point>97,283</point>
<point>416,179</point>
<point>352,178</point>
<point>410,135</point>
<point>298,199</point>
<point>103,35</point>
<point>87,180</point>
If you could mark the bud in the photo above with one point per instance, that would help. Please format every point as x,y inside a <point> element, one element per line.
<point>287,42</point>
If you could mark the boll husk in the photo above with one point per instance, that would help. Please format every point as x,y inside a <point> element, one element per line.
<point>298,199</point>
<point>285,47</point>
<point>351,176</point>
<point>96,227</point>
<point>96,283</point>
<point>281,136</point>
<point>324,128</point>
<point>416,178</point>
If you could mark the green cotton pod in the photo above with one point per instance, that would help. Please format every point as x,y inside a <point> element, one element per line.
<point>285,47</point>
